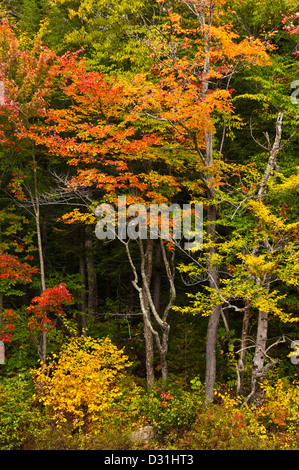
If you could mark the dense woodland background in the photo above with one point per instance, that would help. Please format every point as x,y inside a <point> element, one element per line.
<point>185,102</point>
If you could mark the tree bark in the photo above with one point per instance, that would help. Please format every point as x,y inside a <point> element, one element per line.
<point>151,317</point>
<point>257,373</point>
<point>82,296</point>
<point>213,276</point>
<point>36,208</point>
<point>149,345</point>
<point>92,298</point>
<point>157,276</point>
<point>242,357</point>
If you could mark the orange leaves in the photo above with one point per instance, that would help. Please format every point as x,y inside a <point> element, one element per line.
<point>185,92</point>
<point>29,78</point>
<point>13,270</point>
<point>76,216</point>
<point>228,49</point>
<point>100,127</point>
<point>16,187</point>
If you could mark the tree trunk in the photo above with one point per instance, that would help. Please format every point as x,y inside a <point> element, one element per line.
<point>241,361</point>
<point>157,276</point>
<point>213,275</point>
<point>211,365</point>
<point>82,296</point>
<point>36,207</point>
<point>151,317</point>
<point>148,335</point>
<point>92,299</point>
<point>149,346</point>
<point>259,357</point>
<point>259,370</point>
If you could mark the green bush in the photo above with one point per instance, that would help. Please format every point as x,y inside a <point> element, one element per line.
<point>20,419</point>
<point>169,410</point>
<point>63,438</point>
<point>217,428</point>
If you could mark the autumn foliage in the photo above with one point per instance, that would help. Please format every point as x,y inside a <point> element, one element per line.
<point>83,382</point>
<point>179,103</point>
<point>49,302</point>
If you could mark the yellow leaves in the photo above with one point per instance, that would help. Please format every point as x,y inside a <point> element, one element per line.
<point>80,217</point>
<point>257,265</point>
<point>83,381</point>
<point>264,214</point>
<point>290,184</point>
<point>273,222</point>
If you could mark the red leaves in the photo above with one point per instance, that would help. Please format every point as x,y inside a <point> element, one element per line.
<point>48,302</point>
<point>166,396</point>
<point>291,26</point>
<point>8,326</point>
<point>289,21</point>
<point>29,77</point>
<point>14,270</point>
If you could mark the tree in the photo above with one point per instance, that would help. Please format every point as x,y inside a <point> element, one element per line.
<point>29,78</point>
<point>15,252</point>
<point>260,244</point>
<point>104,150</point>
<point>105,30</point>
<point>49,302</point>
<point>191,94</point>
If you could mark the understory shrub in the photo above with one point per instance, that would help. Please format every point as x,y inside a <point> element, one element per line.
<point>169,410</point>
<point>85,383</point>
<point>180,416</point>
<point>20,419</point>
<point>233,426</point>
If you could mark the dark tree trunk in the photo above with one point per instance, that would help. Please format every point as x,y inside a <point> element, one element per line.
<point>92,297</point>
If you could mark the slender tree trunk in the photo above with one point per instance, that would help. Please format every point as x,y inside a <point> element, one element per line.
<point>151,317</point>
<point>241,361</point>
<point>148,335</point>
<point>259,356</point>
<point>92,299</point>
<point>82,295</point>
<point>36,207</point>
<point>213,276</point>
<point>259,370</point>
<point>43,283</point>
<point>205,18</point>
<point>149,345</point>
<point>157,276</point>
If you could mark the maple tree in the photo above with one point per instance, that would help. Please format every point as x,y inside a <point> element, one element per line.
<point>49,302</point>
<point>29,80</point>
<point>271,240</point>
<point>15,269</point>
<point>103,153</point>
<point>188,99</point>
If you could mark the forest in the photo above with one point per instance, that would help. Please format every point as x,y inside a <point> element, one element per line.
<point>149,229</point>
